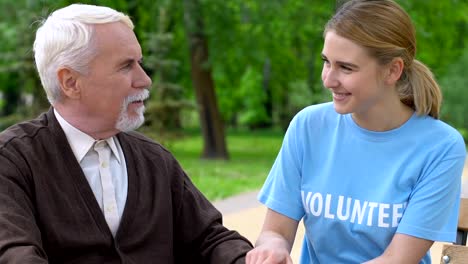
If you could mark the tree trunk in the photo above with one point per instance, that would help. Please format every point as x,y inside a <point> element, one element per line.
<point>214,146</point>
<point>267,88</point>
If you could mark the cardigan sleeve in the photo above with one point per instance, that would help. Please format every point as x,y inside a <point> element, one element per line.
<point>20,238</point>
<point>200,234</point>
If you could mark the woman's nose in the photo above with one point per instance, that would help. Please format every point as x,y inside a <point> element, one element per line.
<point>329,78</point>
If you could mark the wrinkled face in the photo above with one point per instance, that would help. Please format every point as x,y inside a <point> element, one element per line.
<point>113,91</point>
<point>352,76</point>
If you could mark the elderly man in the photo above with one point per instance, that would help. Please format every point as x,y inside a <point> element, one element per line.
<point>76,186</point>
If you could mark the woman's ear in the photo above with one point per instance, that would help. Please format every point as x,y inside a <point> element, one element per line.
<point>68,82</point>
<point>394,71</point>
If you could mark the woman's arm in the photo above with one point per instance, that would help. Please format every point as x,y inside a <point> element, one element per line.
<point>403,249</point>
<point>275,242</point>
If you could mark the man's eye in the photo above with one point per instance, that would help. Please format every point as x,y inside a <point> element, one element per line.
<point>127,66</point>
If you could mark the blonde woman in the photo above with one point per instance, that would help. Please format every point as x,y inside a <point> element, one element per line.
<point>374,174</point>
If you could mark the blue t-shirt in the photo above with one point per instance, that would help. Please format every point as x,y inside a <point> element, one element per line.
<point>355,188</point>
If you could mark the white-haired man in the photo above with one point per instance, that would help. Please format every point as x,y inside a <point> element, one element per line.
<point>76,185</point>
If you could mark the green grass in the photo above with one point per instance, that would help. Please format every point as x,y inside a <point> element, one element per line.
<point>252,154</point>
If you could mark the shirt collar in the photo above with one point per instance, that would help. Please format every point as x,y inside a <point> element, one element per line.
<point>80,142</point>
<point>113,146</point>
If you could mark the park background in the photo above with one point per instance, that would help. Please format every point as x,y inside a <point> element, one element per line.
<point>229,75</point>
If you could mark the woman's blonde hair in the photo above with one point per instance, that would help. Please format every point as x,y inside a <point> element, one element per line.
<point>386,31</point>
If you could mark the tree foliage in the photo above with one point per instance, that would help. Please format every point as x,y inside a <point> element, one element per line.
<point>168,102</point>
<point>264,55</point>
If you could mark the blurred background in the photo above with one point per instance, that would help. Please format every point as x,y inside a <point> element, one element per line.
<point>228,75</point>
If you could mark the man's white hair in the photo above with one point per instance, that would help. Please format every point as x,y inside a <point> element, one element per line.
<point>65,40</point>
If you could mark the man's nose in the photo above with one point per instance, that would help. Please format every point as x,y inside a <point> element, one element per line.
<point>142,80</point>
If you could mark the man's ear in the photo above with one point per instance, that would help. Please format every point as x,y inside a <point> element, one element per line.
<point>68,82</point>
<point>394,71</point>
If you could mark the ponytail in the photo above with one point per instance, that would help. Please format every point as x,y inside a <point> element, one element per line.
<point>419,90</point>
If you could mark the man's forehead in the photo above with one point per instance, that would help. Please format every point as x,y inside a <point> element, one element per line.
<point>115,30</point>
<point>117,37</point>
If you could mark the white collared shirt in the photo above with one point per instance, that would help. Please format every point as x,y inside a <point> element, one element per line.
<point>82,146</point>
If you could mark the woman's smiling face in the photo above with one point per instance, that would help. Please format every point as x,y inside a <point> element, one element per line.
<point>353,76</point>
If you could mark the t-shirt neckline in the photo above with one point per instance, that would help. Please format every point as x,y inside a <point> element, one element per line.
<point>378,135</point>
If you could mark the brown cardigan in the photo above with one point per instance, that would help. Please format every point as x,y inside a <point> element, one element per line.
<point>48,213</point>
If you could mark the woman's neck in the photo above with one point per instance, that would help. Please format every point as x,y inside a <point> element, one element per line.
<point>384,120</point>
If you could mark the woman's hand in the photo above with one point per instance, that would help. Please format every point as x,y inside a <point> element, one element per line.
<point>275,241</point>
<point>271,248</point>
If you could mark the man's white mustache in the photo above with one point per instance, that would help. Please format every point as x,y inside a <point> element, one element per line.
<point>137,97</point>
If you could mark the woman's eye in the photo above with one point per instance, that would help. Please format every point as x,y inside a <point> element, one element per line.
<point>346,68</point>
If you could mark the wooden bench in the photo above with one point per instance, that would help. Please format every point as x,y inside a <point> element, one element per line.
<point>458,253</point>
<point>462,222</point>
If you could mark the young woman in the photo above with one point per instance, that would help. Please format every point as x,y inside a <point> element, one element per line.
<point>374,175</point>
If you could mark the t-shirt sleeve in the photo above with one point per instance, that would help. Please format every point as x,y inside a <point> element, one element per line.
<point>281,191</point>
<point>432,211</point>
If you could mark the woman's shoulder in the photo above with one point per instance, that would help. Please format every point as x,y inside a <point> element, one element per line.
<point>438,131</point>
<point>437,127</point>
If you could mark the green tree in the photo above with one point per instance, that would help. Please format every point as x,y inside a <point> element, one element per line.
<point>285,36</point>
<point>165,107</point>
<point>264,56</point>
<point>21,87</point>
<point>212,126</point>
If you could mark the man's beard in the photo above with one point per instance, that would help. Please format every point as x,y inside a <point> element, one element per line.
<point>127,123</point>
